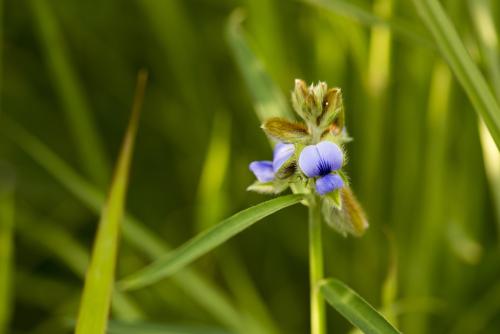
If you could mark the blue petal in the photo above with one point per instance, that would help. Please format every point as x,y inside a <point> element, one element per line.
<point>309,161</point>
<point>331,154</point>
<point>263,170</point>
<point>282,152</point>
<point>320,159</point>
<point>328,183</point>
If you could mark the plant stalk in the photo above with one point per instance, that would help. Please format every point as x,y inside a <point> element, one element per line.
<point>318,319</point>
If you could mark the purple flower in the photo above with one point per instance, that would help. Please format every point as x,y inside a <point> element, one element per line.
<point>328,183</point>
<point>320,160</point>
<point>264,170</point>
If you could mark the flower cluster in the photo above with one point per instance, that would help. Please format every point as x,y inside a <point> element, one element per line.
<point>308,157</point>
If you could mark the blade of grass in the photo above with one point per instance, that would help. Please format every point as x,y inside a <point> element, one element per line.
<point>48,235</point>
<point>99,280</point>
<point>149,328</point>
<point>268,99</point>
<point>211,199</point>
<point>433,15</point>
<point>491,157</point>
<point>210,297</point>
<point>172,26</point>
<point>429,235</point>
<point>6,250</point>
<point>481,12</point>
<point>212,205</point>
<point>390,284</point>
<point>484,25</point>
<point>376,115</point>
<point>265,24</point>
<point>206,241</point>
<point>354,308</point>
<point>76,107</point>
<point>364,16</point>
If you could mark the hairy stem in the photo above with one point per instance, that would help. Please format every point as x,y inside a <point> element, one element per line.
<point>318,320</point>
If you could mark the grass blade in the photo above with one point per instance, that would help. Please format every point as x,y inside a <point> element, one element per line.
<point>212,208</point>
<point>365,17</point>
<point>99,281</point>
<point>206,241</point>
<point>6,250</point>
<point>268,99</point>
<point>149,328</point>
<point>469,76</point>
<point>354,308</point>
<point>68,87</point>
<point>210,297</point>
<point>60,244</point>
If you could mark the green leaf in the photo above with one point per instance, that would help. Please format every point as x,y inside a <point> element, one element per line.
<point>366,17</point>
<point>354,308</point>
<point>6,248</point>
<point>149,328</point>
<point>99,281</point>
<point>75,105</point>
<point>466,71</point>
<point>268,99</point>
<point>48,236</point>
<point>205,241</point>
<point>209,296</point>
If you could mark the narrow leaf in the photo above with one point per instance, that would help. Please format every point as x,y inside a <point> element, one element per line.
<point>205,293</point>
<point>206,241</point>
<point>354,308</point>
<point>366,17</point>
<point>96,299</point>
<point>47,235</point>
<point>466,71</point>
<point>67,85</point>
<point>268,99</point>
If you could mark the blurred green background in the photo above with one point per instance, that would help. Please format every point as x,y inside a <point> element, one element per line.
<point>425,173</point>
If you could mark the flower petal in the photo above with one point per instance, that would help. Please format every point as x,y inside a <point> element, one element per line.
<point>282,152</point>
<point>331,155</point>
<point>309,161</point>
<point>328,183</point>
<point>263,170</point>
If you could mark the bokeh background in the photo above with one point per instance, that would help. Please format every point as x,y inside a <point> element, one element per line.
<point>420,164</point>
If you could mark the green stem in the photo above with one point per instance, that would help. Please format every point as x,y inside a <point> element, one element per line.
<point>318,320</point>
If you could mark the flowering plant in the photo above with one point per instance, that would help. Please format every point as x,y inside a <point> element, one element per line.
<point>309,157</point>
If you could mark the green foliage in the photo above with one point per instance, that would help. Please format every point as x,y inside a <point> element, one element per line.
<point>453,49</point>
<point>99,279</point>
<point>354,308</point>
<point>268,100</point>
<point>70,92</point>
<point>423,167</point>
<point>206,241</point>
